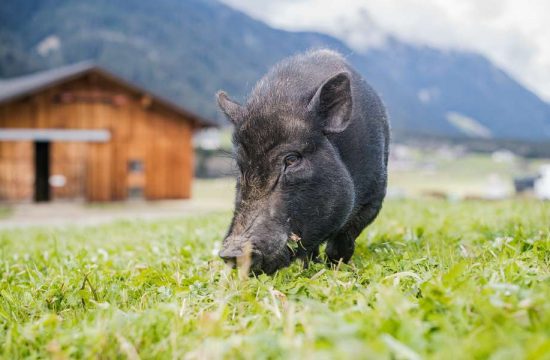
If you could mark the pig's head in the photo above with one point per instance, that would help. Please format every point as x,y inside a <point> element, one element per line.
<point>293,190</point>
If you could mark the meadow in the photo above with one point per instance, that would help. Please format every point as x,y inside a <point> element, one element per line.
<point>430,279</point>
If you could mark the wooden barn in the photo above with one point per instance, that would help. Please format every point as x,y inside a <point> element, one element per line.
<point>80,132</point>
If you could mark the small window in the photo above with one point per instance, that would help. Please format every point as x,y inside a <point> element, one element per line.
<point>135,166</point>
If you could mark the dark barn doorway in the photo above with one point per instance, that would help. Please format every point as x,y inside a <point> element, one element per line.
<point>41,171</point>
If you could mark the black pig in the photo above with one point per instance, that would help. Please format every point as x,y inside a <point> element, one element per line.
<point>311,145</point>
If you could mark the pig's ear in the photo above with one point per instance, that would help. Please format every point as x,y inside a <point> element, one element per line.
<point>332,103</point>
<point>230,108</point>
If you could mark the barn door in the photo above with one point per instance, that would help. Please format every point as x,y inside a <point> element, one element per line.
<point>41,171</point>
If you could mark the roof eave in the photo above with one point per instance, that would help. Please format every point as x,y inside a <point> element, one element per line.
<point>89,67</point>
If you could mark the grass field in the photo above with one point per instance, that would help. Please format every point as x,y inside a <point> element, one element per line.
<point>430,279</point>
<point>466,175</point>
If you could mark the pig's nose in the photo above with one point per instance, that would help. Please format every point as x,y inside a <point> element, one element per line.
<point>230,256</point>
<point>236,257</point>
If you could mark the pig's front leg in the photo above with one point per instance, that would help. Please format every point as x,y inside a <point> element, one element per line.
<point>340,248</point>
<point>310,256</point>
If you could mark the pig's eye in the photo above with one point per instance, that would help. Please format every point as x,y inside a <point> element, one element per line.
<point>292,159</point>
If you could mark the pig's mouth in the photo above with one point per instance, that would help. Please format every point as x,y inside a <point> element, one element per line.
<point>275,258</point>
<point>273,261</point>
<point>294,244</point>
<point>268,261</point>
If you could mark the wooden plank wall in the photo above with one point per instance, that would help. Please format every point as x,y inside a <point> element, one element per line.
<point>16,171</point>
<point>149,133</point>
<point>69,160</point>
<point>169,175</point>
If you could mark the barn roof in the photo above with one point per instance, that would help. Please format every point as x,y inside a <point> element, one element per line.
<point>14,88</point>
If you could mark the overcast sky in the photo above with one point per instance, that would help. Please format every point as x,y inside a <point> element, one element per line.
<point>515,34</point>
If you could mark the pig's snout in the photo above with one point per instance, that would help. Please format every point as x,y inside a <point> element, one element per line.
<point>242,256</point>
<point>230,256</point>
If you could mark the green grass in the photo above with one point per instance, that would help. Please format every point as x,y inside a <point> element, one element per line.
<point>430,279</point>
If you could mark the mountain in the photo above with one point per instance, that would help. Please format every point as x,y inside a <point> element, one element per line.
<point>454,93</point>
<point>183,49</point>
<point>188,49</point>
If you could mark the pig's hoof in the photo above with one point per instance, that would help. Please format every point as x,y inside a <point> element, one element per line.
<point>315,260</point>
